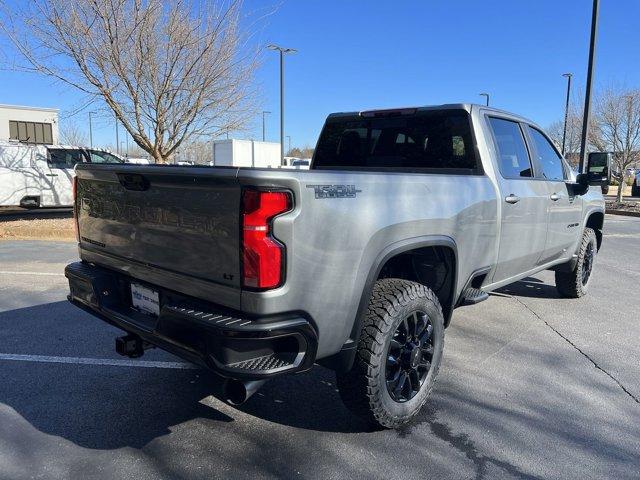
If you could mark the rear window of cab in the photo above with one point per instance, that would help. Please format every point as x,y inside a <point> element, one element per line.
<point>431,141</point>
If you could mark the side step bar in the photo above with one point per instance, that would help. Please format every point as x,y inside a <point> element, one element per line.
<point>472,296</point>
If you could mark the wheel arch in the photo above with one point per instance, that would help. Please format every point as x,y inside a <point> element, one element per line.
<point>343,360</point>
<point>595,221</point>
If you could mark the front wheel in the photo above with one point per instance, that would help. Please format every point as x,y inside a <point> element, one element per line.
<point>574,284</point>
<point>399,354</point>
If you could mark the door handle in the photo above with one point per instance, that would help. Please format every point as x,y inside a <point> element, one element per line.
<point>51,174</point>
<point>555,197</point>
<point>512,198</point>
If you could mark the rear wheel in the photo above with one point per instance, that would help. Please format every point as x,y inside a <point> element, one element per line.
<point>574,284</point>
<point>635,190</point>
<point>399,354</point>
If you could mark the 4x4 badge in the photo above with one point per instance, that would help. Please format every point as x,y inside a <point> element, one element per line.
<point>335,191</point>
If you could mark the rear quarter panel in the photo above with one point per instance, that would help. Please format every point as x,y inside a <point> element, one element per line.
<point>334,243</point>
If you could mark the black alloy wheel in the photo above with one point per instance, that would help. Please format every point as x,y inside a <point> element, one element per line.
<point>587,265</point>
<point>409,356</point>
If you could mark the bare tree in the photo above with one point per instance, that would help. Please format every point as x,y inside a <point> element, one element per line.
<point>295,152</point>
<point>169,71</point>
<point>72,134</point>
<point>574,132</point>
<point>617,128</point>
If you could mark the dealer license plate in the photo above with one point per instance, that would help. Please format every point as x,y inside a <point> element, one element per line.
<point>145,299</point>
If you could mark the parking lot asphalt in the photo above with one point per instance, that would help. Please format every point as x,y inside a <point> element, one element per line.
<point>531,386</point>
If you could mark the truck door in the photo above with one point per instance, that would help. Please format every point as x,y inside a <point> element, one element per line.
<point>524,202</point>
<point>565,210</point>
<point>57,187</point>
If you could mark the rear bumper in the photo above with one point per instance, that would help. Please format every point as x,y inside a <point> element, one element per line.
<point>230,343</point>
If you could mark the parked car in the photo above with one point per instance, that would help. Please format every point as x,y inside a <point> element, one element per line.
<point>301,163</point>
<point>635,186</point>
<point>356,264</point>
<point>34,176</point>
<point>138,160</point>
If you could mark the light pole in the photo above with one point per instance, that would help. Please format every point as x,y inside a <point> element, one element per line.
<point>282,51</point>
<point>289,139</point>
<point>264,112</point>
<point>117,139</point>
<point>90,131</point>
<point>485,95</point>
<point>566,110</point>
<point>587,96</point>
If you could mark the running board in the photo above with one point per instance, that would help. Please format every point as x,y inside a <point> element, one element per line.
<point>472,296</point>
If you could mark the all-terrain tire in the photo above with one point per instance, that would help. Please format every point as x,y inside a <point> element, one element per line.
<point>574,284</point>
<point>635,190</point>
<point>363,389</point>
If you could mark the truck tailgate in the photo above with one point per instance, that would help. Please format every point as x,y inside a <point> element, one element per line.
<point>184,220</point>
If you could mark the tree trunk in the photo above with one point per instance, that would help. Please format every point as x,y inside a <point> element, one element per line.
<point>157,157</point>
<point>620,189</point>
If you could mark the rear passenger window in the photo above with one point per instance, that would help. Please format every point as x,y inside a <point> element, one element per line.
<point>513,156</point>
<point>547,157</point>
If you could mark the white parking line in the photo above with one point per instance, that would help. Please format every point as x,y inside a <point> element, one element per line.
<point>96,361</point>
<point>45,274</point>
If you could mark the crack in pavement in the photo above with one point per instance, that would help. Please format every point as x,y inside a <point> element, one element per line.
<point>585,355</point>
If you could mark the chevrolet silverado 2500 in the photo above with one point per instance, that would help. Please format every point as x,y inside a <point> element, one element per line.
<point>356,264</point>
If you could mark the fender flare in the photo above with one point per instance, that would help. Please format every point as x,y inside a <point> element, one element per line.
<point>343,360</point>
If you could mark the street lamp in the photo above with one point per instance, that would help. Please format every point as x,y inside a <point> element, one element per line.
<point>90,130</point>
<point>282,51</point>
<point>587,96</point>
<point>485,95</point>
<point>566,110</point>
<point>117,139</point>
<point>264,112</point>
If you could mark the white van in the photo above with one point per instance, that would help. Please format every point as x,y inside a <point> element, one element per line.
<point>34,176</point>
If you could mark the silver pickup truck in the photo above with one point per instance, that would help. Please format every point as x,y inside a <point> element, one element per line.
<point>356,264</point>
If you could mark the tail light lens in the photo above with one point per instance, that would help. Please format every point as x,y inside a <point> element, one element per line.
<point>262,255</point>
<point>75,207</point>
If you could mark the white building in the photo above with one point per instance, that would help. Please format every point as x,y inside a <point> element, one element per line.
<point>245,153</point>
<point>29,124</point>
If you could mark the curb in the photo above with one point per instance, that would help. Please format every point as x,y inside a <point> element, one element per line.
<point>38,234</point>
<point>623,213</point>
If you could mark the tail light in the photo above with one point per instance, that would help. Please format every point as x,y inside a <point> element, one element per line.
<point>75,207</point>
<point>263,256</point>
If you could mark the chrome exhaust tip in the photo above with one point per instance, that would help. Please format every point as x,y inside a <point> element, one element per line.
<point>236,392</point>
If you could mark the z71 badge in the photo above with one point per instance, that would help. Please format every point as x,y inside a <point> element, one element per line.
<point>335,191</point>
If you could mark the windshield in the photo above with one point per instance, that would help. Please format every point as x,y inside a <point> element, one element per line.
<point>97,156</point>
<point>426,140</point>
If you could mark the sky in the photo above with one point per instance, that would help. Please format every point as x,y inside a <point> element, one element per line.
<point>364,54</point>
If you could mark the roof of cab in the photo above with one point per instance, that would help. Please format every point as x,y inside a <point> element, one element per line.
<point>446,106</point>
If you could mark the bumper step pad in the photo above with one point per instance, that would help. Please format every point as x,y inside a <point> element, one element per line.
<point>268,362</point>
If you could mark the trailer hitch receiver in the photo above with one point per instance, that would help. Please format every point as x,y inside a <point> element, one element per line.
<point>131,346</point>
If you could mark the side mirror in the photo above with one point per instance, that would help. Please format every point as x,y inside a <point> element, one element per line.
<point>581,186</point>
<point>598,170</point>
